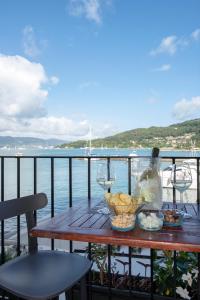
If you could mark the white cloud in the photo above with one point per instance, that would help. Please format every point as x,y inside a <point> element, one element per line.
<point>88,84</point>
<point>196,34</point>
<point>187,108</point>
<point>21,87</point>
<point>54,80</point>
<point>168,45</point>
<point>61,126</point>
<point>23,95</point>
<point>90,9</point>
<point>163,68</point>
<point>45,127</point>
<point>30,45</point>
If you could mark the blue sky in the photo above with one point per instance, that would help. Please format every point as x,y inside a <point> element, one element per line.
<point>112,64</point>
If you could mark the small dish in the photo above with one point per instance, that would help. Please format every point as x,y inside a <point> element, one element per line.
<point>172,218</point>
<point>150,220</point>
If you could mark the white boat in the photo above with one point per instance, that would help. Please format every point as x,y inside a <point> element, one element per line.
<point>133,153</point>
<point>5,148</point>
<point>166,174</point>
<point>18,154</point>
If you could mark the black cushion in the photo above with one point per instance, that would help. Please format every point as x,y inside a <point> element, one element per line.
<point>43,275</point>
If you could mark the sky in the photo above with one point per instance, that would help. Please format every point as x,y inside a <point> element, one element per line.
<point>112,65</point>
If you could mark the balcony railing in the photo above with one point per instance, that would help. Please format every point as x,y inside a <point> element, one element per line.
<point>15,183</point>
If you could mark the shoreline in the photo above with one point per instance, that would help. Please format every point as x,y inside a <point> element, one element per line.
<point>173,149</point>
<point>164,149</point>
<point>147,148</point>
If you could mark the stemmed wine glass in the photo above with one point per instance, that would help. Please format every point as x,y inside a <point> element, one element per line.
<point>105,178</point>
<point>181,179</point>
<point>135,173</point>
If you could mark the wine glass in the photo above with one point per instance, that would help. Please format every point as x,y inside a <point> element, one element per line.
<point>135,174</point>
<point>181,179</point>
<point>105,178</point>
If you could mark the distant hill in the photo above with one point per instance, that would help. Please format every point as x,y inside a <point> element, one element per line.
<point>11,141</point>
<point>177,136</point>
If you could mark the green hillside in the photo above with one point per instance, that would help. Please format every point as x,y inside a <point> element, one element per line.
<point>177,136</point>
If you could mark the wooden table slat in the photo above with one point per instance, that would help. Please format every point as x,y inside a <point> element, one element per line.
<point>99,223</point>
<point>91,221</point>
<point>81,220</point>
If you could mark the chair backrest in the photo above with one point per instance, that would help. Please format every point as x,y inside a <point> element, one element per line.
<point>24,205</point>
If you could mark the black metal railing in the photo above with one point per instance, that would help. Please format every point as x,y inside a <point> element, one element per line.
<point>70,198</point>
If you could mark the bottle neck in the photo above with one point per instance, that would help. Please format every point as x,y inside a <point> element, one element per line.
<point>155,158</point>
<point>155,162</point>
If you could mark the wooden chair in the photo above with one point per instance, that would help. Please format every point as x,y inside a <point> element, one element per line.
<point>40,274</point>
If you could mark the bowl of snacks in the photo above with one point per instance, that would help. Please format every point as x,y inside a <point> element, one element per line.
<point>122,202</point>
<point>151,220</point>
<point>172,218</point>
<point>121,220</point>
<point>123,208</point>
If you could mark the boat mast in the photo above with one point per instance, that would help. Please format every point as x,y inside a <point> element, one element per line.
<point>90,140</point>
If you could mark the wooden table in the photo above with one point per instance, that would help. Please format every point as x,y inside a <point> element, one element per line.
<point>86,225</point>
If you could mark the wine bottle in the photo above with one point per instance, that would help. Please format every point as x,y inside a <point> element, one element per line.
<point>152,170</point>
<point>150,183</point>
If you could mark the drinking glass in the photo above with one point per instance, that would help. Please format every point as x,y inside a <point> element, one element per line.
<point>105,178</point>
<point>181,179</point>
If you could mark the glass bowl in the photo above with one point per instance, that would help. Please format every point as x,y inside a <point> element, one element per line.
<point>151,220</point>
<point>172,218</point>
<point>123,203</point>
<point>121,219</point>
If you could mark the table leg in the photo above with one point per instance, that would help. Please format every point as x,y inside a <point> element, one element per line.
<point>152,282</point>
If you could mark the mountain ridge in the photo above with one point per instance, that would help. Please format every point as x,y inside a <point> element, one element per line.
<point>11,141</point>
<point>182,135</point>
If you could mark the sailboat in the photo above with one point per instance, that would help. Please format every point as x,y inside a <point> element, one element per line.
<point>89,148</point>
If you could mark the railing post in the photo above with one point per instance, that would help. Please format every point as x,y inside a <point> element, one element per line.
<point>35,175</point>
<point>89,179</point>
<point>173,189</point>
<point>130,264</point>
<point>89,199</point>
<point>108,170</point>
<point>35,182</point>
<point>198,182</point>
<point>70,182</point>
<point>2,222</point>
<point>175,273</point>
<point>109,271</point>
<point>129,175</point>
<point>18,196</point>
<point>52,195</point>
<point>152,272</point>
<point>70,196</point>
